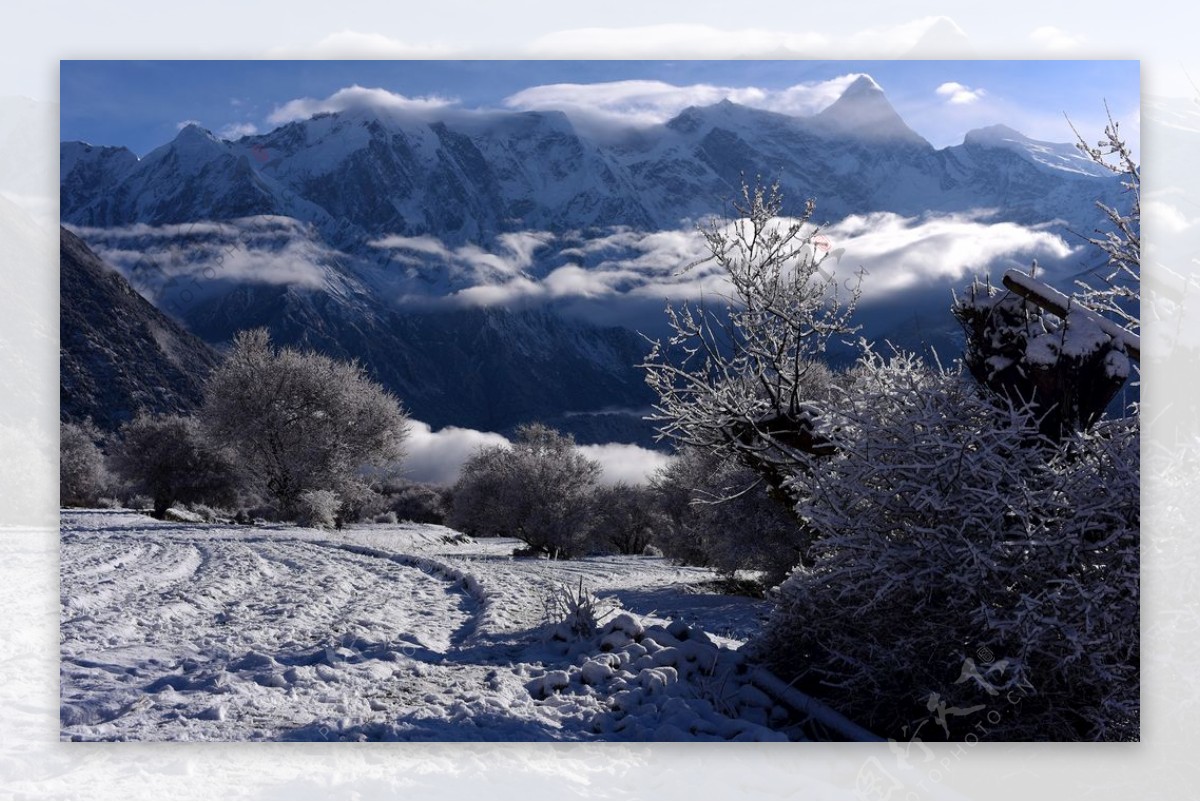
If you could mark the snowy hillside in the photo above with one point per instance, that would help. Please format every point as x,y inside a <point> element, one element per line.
<point>119,354</point>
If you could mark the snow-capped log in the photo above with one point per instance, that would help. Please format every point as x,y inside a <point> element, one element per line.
<point>817,711</point>
<point>1056,303</point>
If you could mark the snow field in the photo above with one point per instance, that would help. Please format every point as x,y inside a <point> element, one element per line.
<point>181,631</point>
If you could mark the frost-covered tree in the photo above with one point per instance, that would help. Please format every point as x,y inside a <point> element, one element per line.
<point>169,458</point>
<point>942,533</point>
<point>297,421</point>
<point>82,474</point>
<point>718,513</point>
<point>740,374</point>
<point>416,502</point>
<point>1118,291</point>
<point>625,519</point>
<point>537,490</point>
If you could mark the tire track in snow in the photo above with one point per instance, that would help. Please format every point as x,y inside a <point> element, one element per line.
<point>212,635</point>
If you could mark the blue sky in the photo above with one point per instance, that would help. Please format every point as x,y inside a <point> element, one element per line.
<point>141,104</point>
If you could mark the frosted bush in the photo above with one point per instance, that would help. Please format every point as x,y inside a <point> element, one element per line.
<point>947,529</point>
<point>537,490</point>
<point>209,514</point>
<point>720,514</point>
<point>82,472</point>
<point>318,509</point>
<point>139,502</point>
<point>576,613</point>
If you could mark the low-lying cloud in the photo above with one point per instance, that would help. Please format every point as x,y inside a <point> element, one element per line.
<point>898,253</point>
<point>437,457</point>
<point>354,98</point>
<point>895,252</point>
<point>623,463</point>
<point>644,103</point>
<point>203,257</point>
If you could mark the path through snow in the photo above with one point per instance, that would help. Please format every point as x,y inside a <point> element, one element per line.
<point>219,632</point>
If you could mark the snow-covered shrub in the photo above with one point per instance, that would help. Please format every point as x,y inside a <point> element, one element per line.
<point>948,530</point>
<point>180,515</point>
<point>81,470</point>
<point>388,517</point>
<point>419,503</point>
<point>720,514</point>
<point>537,490</point>
<point>361,500</point>
<point>209,514</point>
<point>139,502</point>
<point>170,458</point>
<point>576,613</point>
<point>625,519</point>
<point>318,509</point>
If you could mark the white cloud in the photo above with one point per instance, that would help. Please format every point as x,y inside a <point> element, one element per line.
<point>899,252</point>
<point>685,40</point>
<point>644,103</point>
<point>621,462</point>
<point>355,98</point>
<point>237,130</point>
<point>266,249</point>
<point>959,94</point>
<point>468,267</point>
<point>679,40</point>
<point>179,126</point>
<point>355,44</point>
<point>1055,39</point>
<point>437,457</point>
<point>621,267</point>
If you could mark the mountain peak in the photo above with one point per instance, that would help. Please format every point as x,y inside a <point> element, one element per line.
<point>192,148</point>
<point>192,132</point>
<point>863,111</point>
<point>995,133</point>
<point>862,86</point>
<point>1061,156</point>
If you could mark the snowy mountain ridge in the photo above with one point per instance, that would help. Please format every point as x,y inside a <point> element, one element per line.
<point>492,268</point>
<point>468,177</point>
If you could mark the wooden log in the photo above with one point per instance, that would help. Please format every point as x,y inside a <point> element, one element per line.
<point>805,704</point>
<point>1054,302</point>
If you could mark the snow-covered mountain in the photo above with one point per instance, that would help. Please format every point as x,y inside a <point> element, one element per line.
<point>327,229</point>
<point>470,176</point>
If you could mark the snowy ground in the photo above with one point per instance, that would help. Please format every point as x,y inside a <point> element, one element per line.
<point>386,632</point>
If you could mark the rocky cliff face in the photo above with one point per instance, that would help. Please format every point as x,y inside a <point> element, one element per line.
<point>118,353</point>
